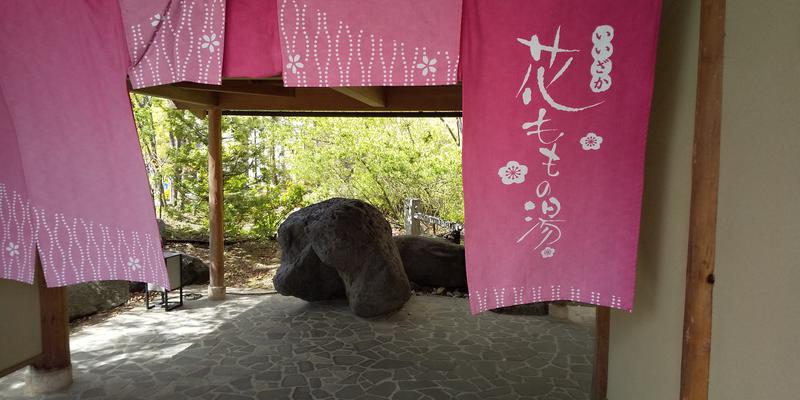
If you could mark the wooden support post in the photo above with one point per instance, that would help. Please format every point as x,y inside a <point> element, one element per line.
<point>412,224</point>
<point>600,373</point>
<point>52,371</point>
<point>216,288</point>
<point>695,362</point>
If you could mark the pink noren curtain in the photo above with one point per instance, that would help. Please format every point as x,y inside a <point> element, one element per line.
<point>72,178</point>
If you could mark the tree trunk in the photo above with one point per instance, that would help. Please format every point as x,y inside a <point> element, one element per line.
<point>159,177</point>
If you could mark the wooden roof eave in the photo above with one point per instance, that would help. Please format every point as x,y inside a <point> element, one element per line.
<point>239,96</point>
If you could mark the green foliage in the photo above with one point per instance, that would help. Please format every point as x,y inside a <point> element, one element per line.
<point>273,165</point>
<point>382,161</point>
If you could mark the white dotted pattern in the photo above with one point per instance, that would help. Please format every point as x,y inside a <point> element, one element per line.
<point>555,291</point>
<point>69,247</point>
<point>480,300</point>
<point>359,57</point>
<point>574,294</point>
<point>17,237</point>
<point>173,50</point>
<point>495,297</point>
<point>616,302</point>
<point>536,295</point>
<point>499,297</point>
<point>518,295</point>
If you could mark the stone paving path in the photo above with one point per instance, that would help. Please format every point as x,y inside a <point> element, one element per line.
<point>275,347</point>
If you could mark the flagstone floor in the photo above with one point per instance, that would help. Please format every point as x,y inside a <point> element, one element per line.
<point>275,347</point>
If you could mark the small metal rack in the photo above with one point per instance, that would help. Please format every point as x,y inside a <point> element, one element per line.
<point>174,262</point>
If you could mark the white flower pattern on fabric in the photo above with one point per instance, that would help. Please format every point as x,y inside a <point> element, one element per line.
<point>133,263</point>
<point>591,141</point>
<point>548,252</point>
<point>210,42</point>
<point>12,249</point>
<point>427,65</point>
<point>513,172</point>
<point>155,20</point>
<point>294,63</point>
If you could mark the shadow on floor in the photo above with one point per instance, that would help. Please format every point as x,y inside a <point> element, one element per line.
<point>275,347</point>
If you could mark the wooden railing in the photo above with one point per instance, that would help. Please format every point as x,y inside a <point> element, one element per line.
<point>413,217</point>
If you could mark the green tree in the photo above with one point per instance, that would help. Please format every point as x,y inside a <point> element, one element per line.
<point>382,161</point>
<point>273,165</point>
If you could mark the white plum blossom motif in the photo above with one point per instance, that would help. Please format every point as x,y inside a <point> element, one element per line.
<point>529,206</point>
<point>427,65</point>
<point>294,63</point>
<point>548,252</point>
<point>155,20</point>
<point>133,263</point>
<point>591,141</point>
<point>12,249</point>
<point>513,172</point>
<point>210,42</point>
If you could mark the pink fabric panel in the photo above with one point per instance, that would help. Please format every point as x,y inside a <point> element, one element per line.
<point>329,43</point>
<point>252,47</point>
<point>17,235</point>
<point>554,143</point>
<point>78,168</point>
<point>174,40</point>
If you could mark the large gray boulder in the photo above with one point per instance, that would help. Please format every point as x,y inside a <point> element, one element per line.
<point>306,277</point>
<point>92,297</point>
<point>432,262</point>
<point>352,238</point>
<point>193,271</point>
<point>301,273</point>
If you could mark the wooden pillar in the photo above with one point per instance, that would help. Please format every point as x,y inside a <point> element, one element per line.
<point>695,362</point>
<point>52,371</point>
<point>216,289</point>
<point>600,373</point>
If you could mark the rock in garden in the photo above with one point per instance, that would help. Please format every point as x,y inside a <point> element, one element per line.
<point>301,273</point>
<point>306,277</point>
<point>354,239</point>
<point>92,297</point>
<point>193,271</point>
<point>432,262</point>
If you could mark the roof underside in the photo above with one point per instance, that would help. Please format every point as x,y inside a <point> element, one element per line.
<point>269,97</point>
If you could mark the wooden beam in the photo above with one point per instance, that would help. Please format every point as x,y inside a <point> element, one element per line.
<point>260,88</point>
<point>427,98</point>
<point>216,288</point>
<point>695,362</point>
<point>181,95</point>
<point>52,371</point>
<point>373,96</point>
<point>424,98</point>
<point>600,372</point>
<point>198,112</point>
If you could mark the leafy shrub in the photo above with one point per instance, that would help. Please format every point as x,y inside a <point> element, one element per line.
<point>274,165</point>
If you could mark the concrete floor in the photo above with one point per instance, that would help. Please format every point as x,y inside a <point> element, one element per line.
<point>275,347</point>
